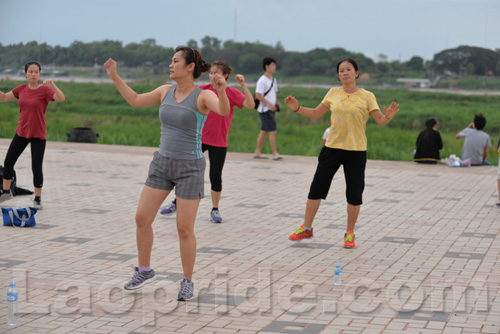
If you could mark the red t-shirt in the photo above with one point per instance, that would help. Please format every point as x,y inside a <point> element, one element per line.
<point>216,127</point>
<point>32,106</point>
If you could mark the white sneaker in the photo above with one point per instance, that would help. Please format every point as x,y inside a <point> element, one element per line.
<point>37,204</point>
<point>5,197</point>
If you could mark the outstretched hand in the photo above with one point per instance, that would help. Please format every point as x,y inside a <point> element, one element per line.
<point>110,66</point>
<point>292,102</point>
<point>392,110</point>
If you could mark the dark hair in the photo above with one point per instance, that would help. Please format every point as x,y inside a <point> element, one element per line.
<point>429,124</point>
<point>267,61</point>
<point>479,122</point>
<point>28,64</point>
<point>350,60</point>
<point>225,67</point>
<point>192,55</point>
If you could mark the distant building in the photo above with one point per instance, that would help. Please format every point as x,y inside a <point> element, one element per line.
<point>413,82</point>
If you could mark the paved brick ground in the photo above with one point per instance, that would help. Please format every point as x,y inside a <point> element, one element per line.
<point>426,261</point>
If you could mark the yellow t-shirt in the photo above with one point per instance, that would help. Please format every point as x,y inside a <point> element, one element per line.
<point>350,112</point>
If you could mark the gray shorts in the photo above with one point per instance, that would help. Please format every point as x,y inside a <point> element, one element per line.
<point>268,121</point>
<point>187,176</point>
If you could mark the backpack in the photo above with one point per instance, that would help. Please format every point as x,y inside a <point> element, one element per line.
<point>14,190</point>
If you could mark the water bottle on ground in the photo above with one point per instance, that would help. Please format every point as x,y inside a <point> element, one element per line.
<point>19,204</point>
<point>337,276</point>
<point>12,296</point>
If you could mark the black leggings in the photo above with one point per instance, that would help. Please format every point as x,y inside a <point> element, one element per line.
<point>217,157</point>
<point>16,148</point>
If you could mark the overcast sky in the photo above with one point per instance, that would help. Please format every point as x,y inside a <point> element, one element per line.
<point>399,29</point>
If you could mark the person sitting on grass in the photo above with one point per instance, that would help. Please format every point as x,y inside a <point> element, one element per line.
<point>476,142</point>
<point>429,143</point>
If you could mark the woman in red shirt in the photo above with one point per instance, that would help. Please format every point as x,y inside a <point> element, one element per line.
<point>215,132</point>
<point>33,100</point>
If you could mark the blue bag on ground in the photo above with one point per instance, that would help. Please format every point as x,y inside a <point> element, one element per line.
<point>24,217</point>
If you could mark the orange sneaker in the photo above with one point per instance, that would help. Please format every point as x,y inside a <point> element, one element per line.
<point>349,240</point>
<point>300,234</point>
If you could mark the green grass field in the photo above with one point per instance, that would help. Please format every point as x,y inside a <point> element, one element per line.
<point>100,107</point>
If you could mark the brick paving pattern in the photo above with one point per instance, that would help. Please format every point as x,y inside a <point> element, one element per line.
<point>426,258</point>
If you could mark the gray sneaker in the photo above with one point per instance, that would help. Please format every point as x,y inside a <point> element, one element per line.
<point>5,197</point>
<point>140,278</point>
<point>187,288</point>
<point>37,204</point>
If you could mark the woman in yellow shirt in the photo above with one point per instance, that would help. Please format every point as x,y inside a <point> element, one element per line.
<point>345,145</point>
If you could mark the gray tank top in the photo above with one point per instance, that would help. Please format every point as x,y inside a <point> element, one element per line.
<point>181,126</point>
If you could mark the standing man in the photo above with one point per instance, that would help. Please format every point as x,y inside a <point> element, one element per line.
<point>476,142</point>
<point>266,92</point>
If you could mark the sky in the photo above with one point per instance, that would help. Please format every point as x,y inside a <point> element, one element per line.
<point>398,29</point>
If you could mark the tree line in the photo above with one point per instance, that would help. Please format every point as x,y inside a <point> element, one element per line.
<point>246,57</point>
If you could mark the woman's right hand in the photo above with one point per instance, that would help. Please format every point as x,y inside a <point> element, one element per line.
<point>240,79</point>
<point>292,102</point>
<point>110,66</point>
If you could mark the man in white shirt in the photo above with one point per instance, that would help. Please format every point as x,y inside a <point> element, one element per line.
<point>266,92</point>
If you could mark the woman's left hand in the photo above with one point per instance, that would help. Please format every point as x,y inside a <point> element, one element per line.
<point>392,110</point>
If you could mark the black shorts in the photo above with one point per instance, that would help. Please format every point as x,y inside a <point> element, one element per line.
<point>268,121</point>
<point>329,161</point>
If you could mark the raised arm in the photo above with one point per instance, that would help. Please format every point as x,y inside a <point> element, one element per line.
<point>470,126</point>
<point>58,94</point>
<point>135,100</point>
<point>249,101</point>
<point>210,101</point>
<point>315,113</point>
<point>383,119</point>
<point>6,97</point>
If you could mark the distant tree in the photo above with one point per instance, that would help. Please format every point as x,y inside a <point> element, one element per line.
<point>382,58</point>
<point>455,61</point>
<point>149,42</point>
<point>250,63</point>
<point>416,64</point>
<point>279,47</point>
<point>192,43</point>
<point>292,64</point>
<point>211,43</point>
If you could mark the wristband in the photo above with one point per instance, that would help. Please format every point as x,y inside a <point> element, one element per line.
<point>297,109</point>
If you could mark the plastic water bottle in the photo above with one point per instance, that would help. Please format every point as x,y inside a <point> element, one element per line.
<point>19,204</point>
<point>337,275</point>
<point>12,296</point>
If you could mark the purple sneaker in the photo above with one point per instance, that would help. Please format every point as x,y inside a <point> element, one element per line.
<point>215,216</point>
<point>169,210</point>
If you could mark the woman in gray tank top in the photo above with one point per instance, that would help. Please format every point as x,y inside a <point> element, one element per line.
<point>178,163</point>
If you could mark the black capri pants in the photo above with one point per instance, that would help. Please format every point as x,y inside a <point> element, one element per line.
<point>16,148</point>
<point>329,161</point>
<point>217,157</point>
